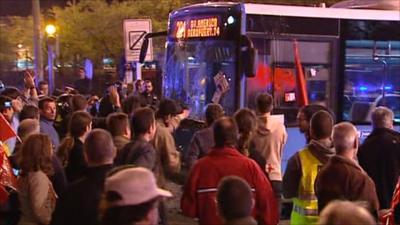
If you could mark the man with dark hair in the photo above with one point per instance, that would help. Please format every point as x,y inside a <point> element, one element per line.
<point>79,204</point>
<point>268,142</point>
<point>235,201</point>
<point>132,197</point>
<point>43,88</point>
<point>148,97</point>
<point>379,155</point>
<point>118,125</point>
<point>223,160</point>
<point>78,103</point>
<point>203,140</point>
<point>83,84</point>
<point>164,142</point>
<point>302,169</point>
<point>29,112</point>
<point>342,178</point>
<point>304,117</point>
<point>139,151</point>
<point>130,104</point>
<point>48,110</point>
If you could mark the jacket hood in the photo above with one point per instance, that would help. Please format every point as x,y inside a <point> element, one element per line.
<point>322,150</point>
<point>267,124</point>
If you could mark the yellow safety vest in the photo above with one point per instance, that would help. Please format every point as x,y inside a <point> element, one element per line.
<point>305,206</point>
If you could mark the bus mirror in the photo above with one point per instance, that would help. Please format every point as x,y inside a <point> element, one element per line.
<point>145,44</point>
<point>143,49</point>
<point>248,57</point>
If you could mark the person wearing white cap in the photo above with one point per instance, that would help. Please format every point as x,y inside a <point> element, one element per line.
<point>132,197</point>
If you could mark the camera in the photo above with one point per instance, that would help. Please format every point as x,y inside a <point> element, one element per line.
<point>7,104</point>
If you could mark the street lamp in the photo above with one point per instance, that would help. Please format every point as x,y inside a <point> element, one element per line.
<point>50,30</point>
<point>51,37</point>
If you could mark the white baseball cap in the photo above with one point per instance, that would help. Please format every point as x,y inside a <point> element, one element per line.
<point>135,185</point>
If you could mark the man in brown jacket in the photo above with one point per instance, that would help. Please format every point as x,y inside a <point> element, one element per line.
<point>342,178</point>
<point>167,157</point>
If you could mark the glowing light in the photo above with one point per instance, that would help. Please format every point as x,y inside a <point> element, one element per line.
<point>388,88</point>
<point>231,20</point>
<point>50,29</point>
<point>363,88</point>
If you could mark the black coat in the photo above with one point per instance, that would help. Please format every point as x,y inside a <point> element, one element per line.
<point>76,166</point>
<point>79,204</point>
<point>58,179</point>
<point>379,156</point>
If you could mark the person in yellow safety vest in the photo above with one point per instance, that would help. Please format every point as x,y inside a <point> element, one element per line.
<point>303,167</point>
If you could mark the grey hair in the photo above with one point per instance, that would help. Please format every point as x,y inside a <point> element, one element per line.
<point>28,127</point>
<point>382,117</point>
<point>345,212</point>
<point>344,135</point>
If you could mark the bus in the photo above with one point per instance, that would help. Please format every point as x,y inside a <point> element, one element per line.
<point>227,53</point>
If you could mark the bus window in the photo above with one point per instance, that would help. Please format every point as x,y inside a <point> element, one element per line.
<point>370,81</point>
<point>200,72</point>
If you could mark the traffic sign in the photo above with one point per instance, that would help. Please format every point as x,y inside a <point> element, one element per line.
<point>134,32</point>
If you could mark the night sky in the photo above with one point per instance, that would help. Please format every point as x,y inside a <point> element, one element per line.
<point>24,7</point>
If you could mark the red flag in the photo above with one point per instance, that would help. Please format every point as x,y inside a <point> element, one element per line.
<point>388,218</point>
<point>303,97</point>
<point>396,196</point>
<point>6,131</point>
<point>7,178</point>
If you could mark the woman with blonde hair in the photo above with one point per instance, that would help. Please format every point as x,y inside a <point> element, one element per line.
<point>36,194</point>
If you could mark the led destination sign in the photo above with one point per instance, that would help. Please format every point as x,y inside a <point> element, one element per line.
<point>197,28</point>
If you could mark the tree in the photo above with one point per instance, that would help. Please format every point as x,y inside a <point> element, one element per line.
<point>93,28</point>
<point>13,31</point>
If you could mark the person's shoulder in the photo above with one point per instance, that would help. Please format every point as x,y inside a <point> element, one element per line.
<point>294,160</point>
<point>37,174</point>
<point>146,146</point>
<point>296,155</point>
<point>203,162</point>
<point>77,186</point>
<point>205,132</point>
<point>37,177</point>
<point>161,129</point>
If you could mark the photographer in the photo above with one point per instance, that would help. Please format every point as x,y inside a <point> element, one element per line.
<point>111,102</point>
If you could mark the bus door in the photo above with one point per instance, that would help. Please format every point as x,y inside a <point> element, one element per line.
<point>317,43</point>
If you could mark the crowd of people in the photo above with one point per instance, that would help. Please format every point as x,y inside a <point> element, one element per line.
<point>80,159</point>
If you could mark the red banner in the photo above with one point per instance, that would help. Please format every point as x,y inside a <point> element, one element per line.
<point>301,82</point>
<point>6,131</point>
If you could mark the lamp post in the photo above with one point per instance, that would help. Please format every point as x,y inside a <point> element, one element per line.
<point>51,35</point>
<point>18,52</point>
